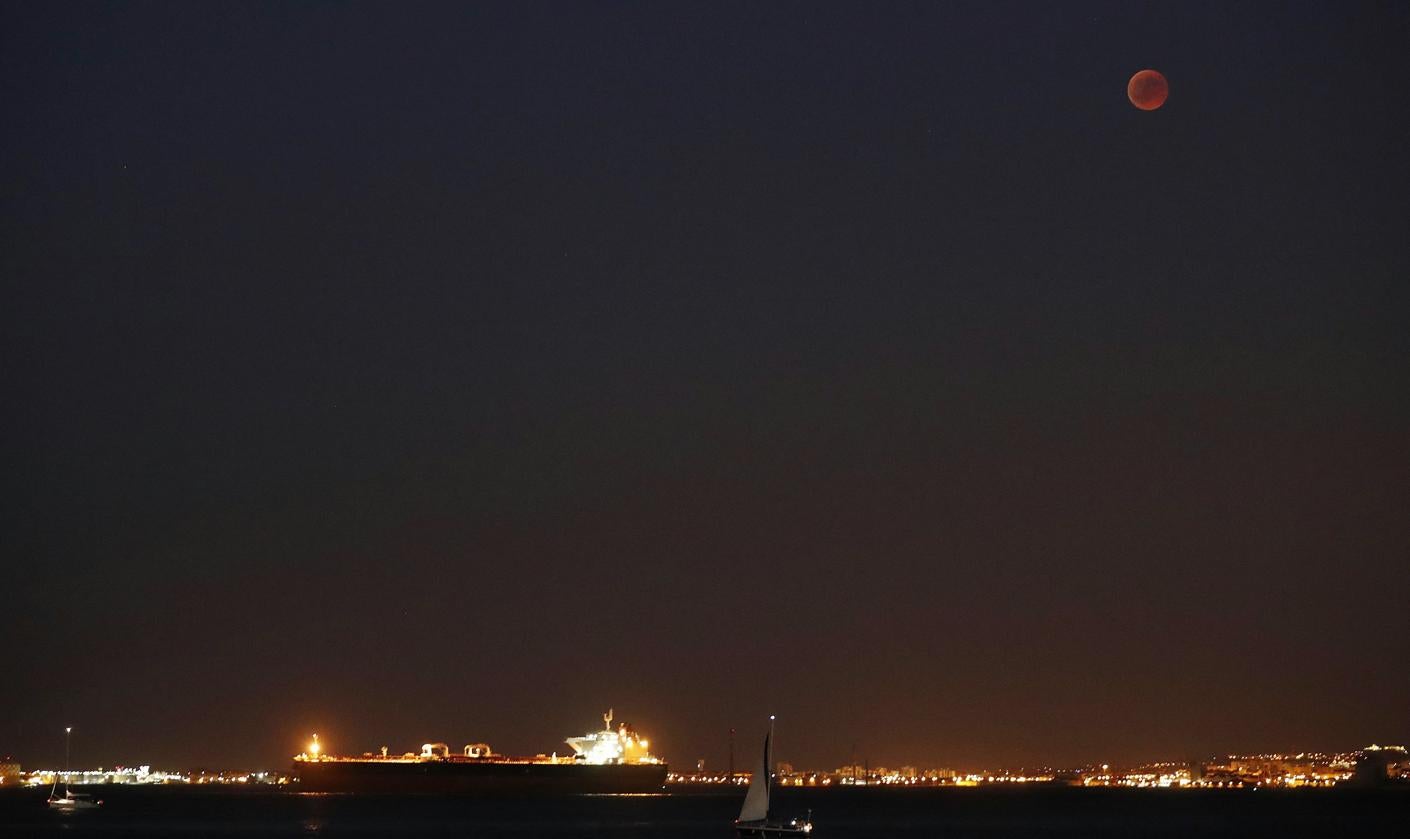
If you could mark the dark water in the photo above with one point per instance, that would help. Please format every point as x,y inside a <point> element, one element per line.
<point>838,814</point>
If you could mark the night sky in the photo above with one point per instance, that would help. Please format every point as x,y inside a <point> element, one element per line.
<point>456,372</point>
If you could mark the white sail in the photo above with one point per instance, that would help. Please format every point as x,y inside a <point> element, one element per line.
<point>756,801</point>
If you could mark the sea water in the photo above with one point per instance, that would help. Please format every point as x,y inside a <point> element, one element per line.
<point>837,813</point>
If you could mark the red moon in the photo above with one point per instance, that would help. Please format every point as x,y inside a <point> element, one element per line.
<point>1147,90</point>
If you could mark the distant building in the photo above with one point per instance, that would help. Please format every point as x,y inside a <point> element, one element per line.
<point>1380,765</point>
<point>9,770</point>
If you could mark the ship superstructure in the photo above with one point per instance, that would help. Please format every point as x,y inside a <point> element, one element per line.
<point>609,746</point>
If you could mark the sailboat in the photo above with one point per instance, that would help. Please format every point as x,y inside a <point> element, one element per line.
<point>755,817</point>
<point>70,800</point>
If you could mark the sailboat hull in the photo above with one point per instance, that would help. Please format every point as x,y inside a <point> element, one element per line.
<point>65,806</point>
<point>73,801</point>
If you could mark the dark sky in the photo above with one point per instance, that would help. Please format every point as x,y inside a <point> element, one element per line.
<point>408,372</point>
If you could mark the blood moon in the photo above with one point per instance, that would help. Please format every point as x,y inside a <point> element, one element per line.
<point>1147,90</point>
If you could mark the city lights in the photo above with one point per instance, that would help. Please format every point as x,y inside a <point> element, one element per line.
<point>1371,764</point>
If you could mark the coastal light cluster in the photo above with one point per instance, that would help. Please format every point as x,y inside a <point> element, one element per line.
<point>1371,765</point>
<point>128,775</point>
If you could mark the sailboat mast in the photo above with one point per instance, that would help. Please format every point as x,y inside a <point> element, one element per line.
<point>68,731</point>
<point>769,768</point>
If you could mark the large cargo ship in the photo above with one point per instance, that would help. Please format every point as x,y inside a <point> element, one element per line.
<point>610,761</point>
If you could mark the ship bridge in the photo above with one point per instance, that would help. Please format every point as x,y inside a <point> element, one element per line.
<point>609,746</point>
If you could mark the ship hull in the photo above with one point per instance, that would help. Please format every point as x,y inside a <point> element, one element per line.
<point>466,778</point>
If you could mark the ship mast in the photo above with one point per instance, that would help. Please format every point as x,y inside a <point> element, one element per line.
<point>731,756</point>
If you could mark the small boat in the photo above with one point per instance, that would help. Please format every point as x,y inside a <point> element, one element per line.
<point>755,817</point>
<point>70,801</point>
<point>73,801</point>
